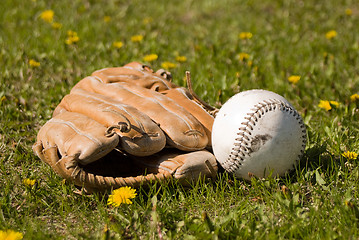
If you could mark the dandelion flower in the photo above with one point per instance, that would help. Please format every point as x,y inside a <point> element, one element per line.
<point>29,182</point>
<point>56,25</point>
<point>350,155</point>
<point>71,40</point>
<point>168,65</point>
<point>348,12</point>
<point>106,19</point>
<point>334,103</point>
<point>354,97</point>
<point>293,79</point>
<point>327,105</point>
<point>72,37</point>
<point>150,57</point>
<point>10,235</point>
<point>181,59</point>
<point>245,35</point>
<point>331,34</point>
<point>137,38</point>
<point>47,16</point>
<point>71,33</point>
<point>34,63</point>
<point>243,56</point>
<point>117,44</point>
<point>121,195</point>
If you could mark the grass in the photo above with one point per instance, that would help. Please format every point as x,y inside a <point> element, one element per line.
<point>318,201</point>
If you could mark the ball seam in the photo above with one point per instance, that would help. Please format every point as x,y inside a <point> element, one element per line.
<point>240,147</point>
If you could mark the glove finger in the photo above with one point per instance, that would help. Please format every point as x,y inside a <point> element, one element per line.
<point>139,135</point>
<point>185,99</point>
<point>77,136</point>
<point>134,73</point>
<point>184,131</point>
<point>190,124</point>
<point>141,67</point>
<point>186,167</point>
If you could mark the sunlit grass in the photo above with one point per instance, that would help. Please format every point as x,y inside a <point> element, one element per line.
<point>306,51</point>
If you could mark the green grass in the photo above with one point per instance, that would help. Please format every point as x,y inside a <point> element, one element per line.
<point>318,201</point>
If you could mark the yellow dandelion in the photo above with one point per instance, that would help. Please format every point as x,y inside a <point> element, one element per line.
<point>72,37</point>
<point>117,44</point>
<point>147,20</point>
<point>34,63</point>
<point>293,79</point>
<point>121,195</point>
<point>47,16</point>
<point>106,19</point>
<point>71,40</point>
<point>245,35</point>
<point>243,56</point>
<point>137,38</point>
<point>181,59</point>
<point>75,39</point>
<point>325,105</point>
<point>331,34</point>
<point>350,155</point>
<point>328,105</point>
<point>334,103</point>
<point>168,65</point>
<point>10,235</point>
<point>56,25</point>
<point>354,97</point>
<point>348,12</point>
<point>150,57</point>
<point>29,182</point>
<point>71,33</point>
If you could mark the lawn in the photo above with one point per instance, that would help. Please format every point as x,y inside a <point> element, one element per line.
<point>306,51</point>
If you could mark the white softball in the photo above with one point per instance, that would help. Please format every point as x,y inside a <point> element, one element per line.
<point>258,133</point>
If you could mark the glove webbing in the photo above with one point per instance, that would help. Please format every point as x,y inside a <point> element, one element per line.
<point>211,110</point>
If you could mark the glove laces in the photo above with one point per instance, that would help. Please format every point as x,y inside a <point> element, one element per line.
<point>124,127</point>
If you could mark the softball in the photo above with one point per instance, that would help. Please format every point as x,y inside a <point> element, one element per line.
<point>258,133</point>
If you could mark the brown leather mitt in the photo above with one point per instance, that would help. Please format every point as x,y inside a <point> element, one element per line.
<point>128,126</point>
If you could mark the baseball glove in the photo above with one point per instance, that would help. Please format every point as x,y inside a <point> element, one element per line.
<point>128,126</point>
